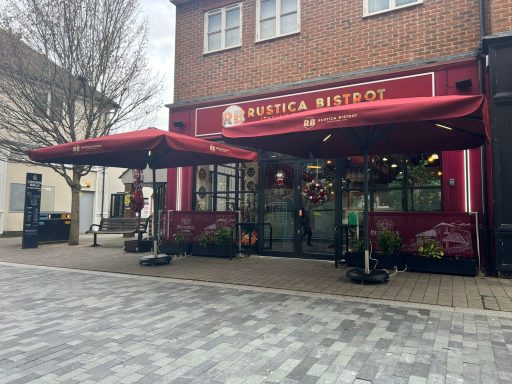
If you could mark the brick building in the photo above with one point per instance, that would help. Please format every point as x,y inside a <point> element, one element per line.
<point>266,58</point>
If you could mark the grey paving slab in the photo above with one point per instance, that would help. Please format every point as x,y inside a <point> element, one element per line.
<point>71,326</point>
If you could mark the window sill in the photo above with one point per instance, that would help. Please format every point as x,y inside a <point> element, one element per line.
<point>277,37</point>
<point>365,16</point>
<point>222,50</point>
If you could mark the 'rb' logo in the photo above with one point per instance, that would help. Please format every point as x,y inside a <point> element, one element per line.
<point>309,122</point>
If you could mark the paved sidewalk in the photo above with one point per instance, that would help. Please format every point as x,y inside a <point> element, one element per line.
<point>280,273</point>
<point>68,326</point>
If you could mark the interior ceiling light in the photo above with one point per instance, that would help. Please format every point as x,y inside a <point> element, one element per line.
<point>384,159</point>
<point>327,137</point>
<point>394,165</point>
<point>313,166</point>
<point>444,126</point>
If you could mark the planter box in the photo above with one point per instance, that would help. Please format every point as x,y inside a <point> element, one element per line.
<point>175,249</point>
<point>213,250</point>
<point>356,259</point>
<point>446,265</point>
<point>391,261</point>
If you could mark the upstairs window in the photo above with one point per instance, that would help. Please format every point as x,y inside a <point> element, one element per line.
<point>372,7</point>
<point>277,18</point>
<point>223,28</point>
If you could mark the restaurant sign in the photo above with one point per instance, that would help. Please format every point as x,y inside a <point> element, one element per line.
<point>210,120</point>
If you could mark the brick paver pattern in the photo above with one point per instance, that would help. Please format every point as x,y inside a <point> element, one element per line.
<point>481,292</point>
<point>60,325</point>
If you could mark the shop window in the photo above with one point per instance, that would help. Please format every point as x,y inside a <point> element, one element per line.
<point>230,187</point>
<point>17,198</point>
<point>223,28</point>
<point>396,183</point>
<point>277,18</point>
<point>372,7</point>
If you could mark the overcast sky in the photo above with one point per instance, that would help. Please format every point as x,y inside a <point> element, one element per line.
<point>161,17</point>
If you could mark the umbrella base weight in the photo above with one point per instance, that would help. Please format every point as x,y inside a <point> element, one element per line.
<point>155,260</point>
<point>358,275</point>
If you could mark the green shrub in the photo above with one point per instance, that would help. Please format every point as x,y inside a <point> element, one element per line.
<point>356,244</point>
<point>389,242</point>
<point>179,238</point>
<point>223,236</point>
<point>431,248</point>
<point>206,239</point>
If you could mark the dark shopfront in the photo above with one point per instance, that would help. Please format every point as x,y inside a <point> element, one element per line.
<point>326,195</point>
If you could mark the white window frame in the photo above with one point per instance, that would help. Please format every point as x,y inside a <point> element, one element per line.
<point>223,12</point>
<point>278,24</point>
<point>392,7</point>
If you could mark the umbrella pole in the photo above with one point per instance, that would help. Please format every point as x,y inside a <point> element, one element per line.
<point>366,223</point>
<point>155,240</point>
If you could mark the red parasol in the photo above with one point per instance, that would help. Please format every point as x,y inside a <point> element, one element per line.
<point>417,124</point>
<point>136,150</point>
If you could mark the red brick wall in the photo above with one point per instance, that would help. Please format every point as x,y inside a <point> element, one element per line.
<point>500,16</point>
<point>334,39</point>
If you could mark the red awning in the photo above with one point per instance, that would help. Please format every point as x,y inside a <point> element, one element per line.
<point>408,125</point>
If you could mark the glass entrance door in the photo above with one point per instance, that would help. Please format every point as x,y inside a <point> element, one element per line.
<point>280,204</point>
<point>317,234</point>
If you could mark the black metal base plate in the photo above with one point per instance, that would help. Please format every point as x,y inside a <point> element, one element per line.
<point>377,276</point>
<point>155,260</point>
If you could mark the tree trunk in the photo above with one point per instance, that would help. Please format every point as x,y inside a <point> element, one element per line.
<point>75,208</point>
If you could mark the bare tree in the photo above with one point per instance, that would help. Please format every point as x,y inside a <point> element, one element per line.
<point>71,70</point>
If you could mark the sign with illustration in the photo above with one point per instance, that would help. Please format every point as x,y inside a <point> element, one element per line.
<point>453,231</point>
<point>210,120</point>
<point>194,224</point>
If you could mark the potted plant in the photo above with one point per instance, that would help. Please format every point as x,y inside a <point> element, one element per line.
<point>354,257</point>
<point>431,248</point>
<point>431,258</point>
<point>390,254</point>
<point>178,245</point>
<point>218,243</point>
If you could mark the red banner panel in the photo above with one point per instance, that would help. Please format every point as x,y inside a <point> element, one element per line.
<point>210,120</point>
<point>454,231</point>
<point>193,224</point>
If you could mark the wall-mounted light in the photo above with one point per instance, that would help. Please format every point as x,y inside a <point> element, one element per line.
<point>178,124</point>
<point>327,137</point>
<point>444,126</point>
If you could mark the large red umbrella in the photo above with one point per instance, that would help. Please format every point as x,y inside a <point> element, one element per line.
<point>411,125</point>
<point>136,150</point>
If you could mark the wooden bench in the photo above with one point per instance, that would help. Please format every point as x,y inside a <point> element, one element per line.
<point>119,225</point>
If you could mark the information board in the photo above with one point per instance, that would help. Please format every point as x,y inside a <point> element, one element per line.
<point>31,212</point>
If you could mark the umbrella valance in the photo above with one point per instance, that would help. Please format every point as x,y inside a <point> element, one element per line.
<point>386,126</point>
<point>136,150</point>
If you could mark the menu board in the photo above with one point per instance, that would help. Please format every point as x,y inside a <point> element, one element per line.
<point>31,211</point>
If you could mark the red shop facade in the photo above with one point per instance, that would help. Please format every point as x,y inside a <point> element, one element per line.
<point>311,203</point>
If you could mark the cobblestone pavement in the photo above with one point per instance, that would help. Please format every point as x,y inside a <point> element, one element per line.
<point>65,326</point>
<point>482,292</point>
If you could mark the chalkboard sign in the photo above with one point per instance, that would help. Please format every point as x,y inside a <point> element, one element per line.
<point>31,211</point>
